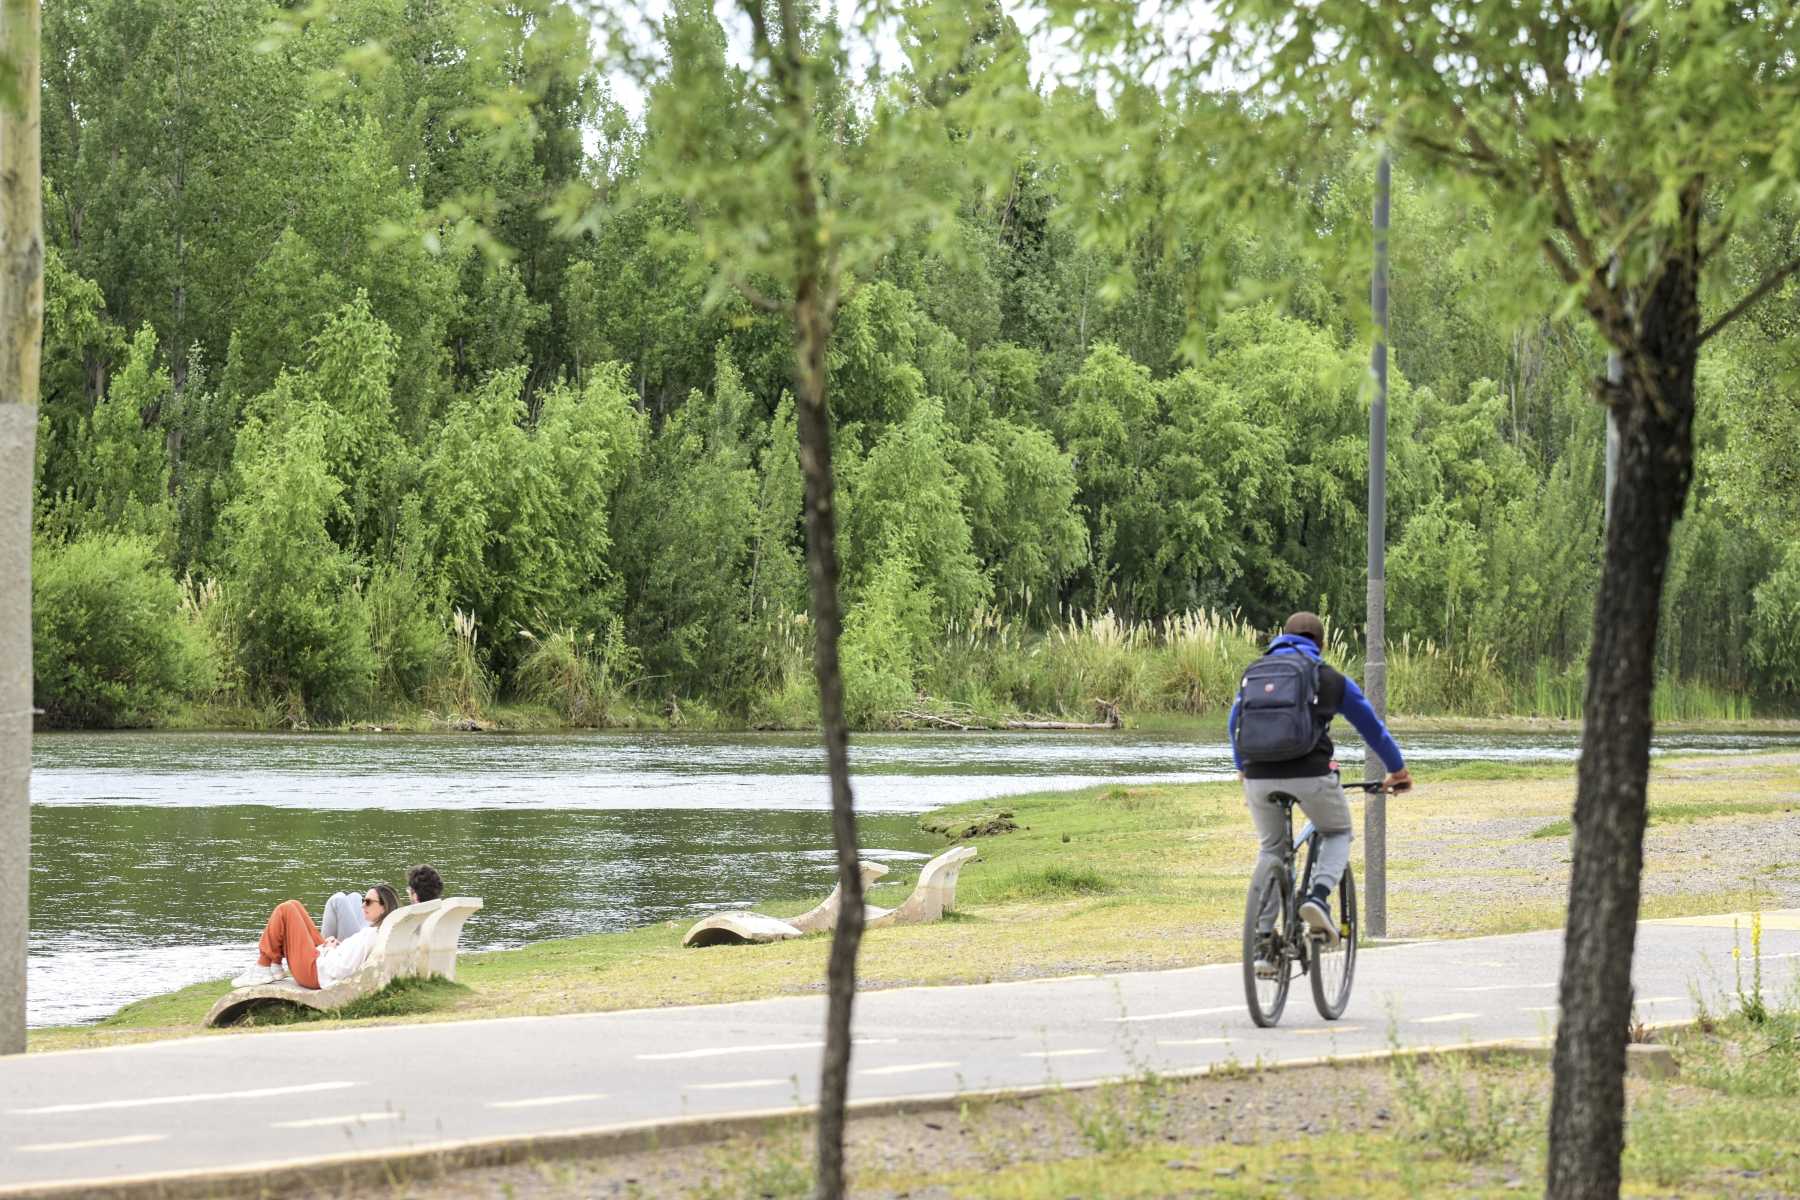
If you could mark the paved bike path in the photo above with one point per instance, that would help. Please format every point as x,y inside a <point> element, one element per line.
<point>223,1103</point>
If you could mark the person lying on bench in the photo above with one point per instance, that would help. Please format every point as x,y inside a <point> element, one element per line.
<point>314,960</point>
<point>344,914</point>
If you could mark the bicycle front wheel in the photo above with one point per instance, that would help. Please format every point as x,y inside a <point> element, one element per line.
<point>1266,988</point>
<point>1334,968</point>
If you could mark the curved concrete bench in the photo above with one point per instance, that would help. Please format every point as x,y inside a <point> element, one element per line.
<point>932,897</point>
<point>442,931</point>
<point>824,915</point>
<point>414,940</point>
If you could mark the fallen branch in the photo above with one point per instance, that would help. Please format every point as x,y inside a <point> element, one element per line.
<point>925,718</point>
<point>1058,725</point>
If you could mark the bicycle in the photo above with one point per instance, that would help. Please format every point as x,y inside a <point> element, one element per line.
<point>1291,946</point>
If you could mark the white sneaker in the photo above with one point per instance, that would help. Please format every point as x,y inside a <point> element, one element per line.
<point>259,975</point>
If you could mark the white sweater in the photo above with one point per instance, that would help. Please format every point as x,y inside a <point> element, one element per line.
<point>342,960</point>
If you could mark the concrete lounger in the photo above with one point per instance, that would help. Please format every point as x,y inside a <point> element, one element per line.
<point>932,897</point>
<point>419,939</point>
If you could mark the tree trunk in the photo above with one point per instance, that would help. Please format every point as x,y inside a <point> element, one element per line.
<point>1655,409</point>
<point>21,331</point>
<point>813,426</point>
<point>814,308</point>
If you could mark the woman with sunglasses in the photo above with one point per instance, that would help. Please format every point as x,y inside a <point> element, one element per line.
<point>314,960</point>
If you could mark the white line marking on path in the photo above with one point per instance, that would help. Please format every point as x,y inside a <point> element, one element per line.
<point>1058,1053</point>
<point>191,1098</point>
<point>1186,1012</point>
<point>345,1119</point>
<point>1193,1041</point>
<point>903,1068</point>
<point>1505,987</point>
<point>770,1048</point>
<point>136,1139</point>
<point>740,1083</point>
<point>1440,1019</point>
<point>546,1101</point>
<point>1543,1008</point>
<point>1659,1000</point>
<point>1325,1029</point>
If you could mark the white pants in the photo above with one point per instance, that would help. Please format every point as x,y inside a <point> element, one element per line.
<point>343,916</point>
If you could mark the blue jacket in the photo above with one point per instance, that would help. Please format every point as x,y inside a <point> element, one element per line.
<point>1355,707</point>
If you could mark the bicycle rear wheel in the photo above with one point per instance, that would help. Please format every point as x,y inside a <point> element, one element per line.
<point>1334,967</point>
<point>1266,995</point>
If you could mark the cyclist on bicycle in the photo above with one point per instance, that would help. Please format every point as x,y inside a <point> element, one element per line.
<point>1281,741</point>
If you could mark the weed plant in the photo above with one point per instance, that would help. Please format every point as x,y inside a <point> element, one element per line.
<point>1458,1111</point>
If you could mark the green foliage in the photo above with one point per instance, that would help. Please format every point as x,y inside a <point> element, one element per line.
<point>303,635</point>
<point>403,602</point>
<point>124,467</point>
<point>109,645</point>
<point>580,677</point>
<point>1775,644</point>
<point>517,509</point>
<point>905,500</point>
<point>687,531</point>
<point>1097,370</point>
<point>885,635</point>
<point>464,685</point>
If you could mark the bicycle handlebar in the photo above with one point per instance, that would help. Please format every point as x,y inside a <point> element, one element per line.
<point>1371,786</point>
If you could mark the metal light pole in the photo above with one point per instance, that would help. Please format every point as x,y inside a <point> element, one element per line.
<point>1375,669</point>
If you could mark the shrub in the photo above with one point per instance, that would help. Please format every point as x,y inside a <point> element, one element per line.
<point>579,677</point>
<point>463,683</point>
<point>406,633</point>
<point>885,635</point>
<point>302,630</point>
<point>111,647</point>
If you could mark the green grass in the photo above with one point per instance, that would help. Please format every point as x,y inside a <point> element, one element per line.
<point>1049,883</point>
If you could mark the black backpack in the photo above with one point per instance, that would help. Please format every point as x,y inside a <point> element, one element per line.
<point>1277,714</point>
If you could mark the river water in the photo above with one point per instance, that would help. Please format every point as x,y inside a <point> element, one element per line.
<point>157,857</point>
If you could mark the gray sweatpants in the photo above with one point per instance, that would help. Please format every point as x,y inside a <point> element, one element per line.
<point>1322,799</point>
<point>343,916</point>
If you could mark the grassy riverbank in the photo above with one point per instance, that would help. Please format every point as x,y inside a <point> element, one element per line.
<point>1124,878</point>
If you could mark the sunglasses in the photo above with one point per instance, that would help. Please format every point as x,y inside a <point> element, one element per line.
<point>371,900</point>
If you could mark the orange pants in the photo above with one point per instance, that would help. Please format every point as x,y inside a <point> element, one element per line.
<point>291,934</point>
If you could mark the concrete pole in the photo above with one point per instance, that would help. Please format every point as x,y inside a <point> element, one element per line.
<point>1375,669</point>
<point>18,432</point>
<point>21,331</point>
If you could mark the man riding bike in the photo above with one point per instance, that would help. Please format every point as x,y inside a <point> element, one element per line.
<point>1281,742</point>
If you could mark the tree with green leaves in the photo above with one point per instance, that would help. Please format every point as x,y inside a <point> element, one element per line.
<point>1628,145</point>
